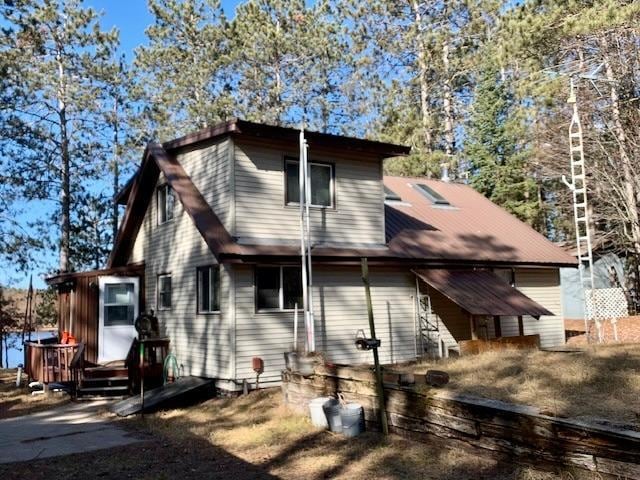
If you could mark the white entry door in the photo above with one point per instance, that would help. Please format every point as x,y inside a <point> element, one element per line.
<point>117,313</point>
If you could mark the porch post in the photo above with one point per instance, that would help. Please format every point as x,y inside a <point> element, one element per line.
<point>472,325</point>
<point>497,327</point>
<point>520,326</point>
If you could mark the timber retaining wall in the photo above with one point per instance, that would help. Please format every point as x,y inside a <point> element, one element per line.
<point>501,429</point>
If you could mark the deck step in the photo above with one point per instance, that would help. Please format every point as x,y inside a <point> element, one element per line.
<point>106,372</point>
<point>104,391</point>
<point>105,381</point>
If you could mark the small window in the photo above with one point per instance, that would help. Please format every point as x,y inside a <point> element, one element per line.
<point>278,288</point>
<point>119,304</point>
<point>321,175</point>
<point>432,195</point>
<point>166,203</point>
<point>164,292</point>
<point>209,289</point>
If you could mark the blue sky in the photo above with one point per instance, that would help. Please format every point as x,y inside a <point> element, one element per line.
<point>131,18</point>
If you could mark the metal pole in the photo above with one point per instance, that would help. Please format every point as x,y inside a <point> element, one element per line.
<point>307,199</point>
<point>303,247</point>
<point>142,376</point>
<point>376,360</point>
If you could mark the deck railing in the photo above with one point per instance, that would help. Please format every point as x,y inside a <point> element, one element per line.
<point>48,363</point>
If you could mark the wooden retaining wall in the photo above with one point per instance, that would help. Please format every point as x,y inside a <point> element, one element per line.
<point>503,430</point>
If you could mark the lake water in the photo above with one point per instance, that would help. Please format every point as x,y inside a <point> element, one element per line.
<point>16,354</point>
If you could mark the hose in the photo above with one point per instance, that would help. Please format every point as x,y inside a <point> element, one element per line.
<point>172,362</point>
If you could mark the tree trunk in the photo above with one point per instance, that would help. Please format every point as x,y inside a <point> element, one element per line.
<point>65,191</point>
<point>628,173</point>
<point>116,173</point>
<point>447,106</point>
<point>425,111</point>
<point>1,343</point>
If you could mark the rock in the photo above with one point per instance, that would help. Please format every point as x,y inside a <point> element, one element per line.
<point>437,378</point>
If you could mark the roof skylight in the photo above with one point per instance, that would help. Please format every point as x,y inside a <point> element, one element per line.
<point>432,195</point>
<point>390,195</point>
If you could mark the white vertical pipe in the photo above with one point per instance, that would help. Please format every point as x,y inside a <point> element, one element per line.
<point>303,248</point>
<point>307,196</point>
<point>295,327</point>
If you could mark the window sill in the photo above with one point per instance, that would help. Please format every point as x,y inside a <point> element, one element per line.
<point>311,207</point>
<point>276,310</point>
<point>217,312</point>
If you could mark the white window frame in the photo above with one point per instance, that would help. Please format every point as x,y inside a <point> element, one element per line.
<point>210,269</point>
<point>163,206</point>
<point>158,281</point>
<point>330,166</point>
<point>280,307</point>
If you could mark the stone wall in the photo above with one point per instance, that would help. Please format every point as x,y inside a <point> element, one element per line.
<point>490,427</point>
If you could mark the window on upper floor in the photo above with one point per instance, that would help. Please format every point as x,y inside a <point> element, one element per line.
<point>322,183</point>
<point>278,288</point>
<point>164,291</point>
<point>166,203</point>
<point>209,289</point>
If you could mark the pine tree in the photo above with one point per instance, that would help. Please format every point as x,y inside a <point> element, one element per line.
<point>54,60</point>
<point>183,80</point>
<point>288,59</point>
<point>496,147</point>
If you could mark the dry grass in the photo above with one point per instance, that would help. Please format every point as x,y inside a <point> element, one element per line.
<point>600,383</point>
<point>258,430</point>
<point>16,401</point>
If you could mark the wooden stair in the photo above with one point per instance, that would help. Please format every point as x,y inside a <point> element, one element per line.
<point>110,380</point>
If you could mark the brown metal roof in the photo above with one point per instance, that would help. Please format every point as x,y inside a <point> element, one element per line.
<point>480,292</point>
<point>472,229</point>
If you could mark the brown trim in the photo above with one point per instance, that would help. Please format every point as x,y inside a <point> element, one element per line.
<point>242,127</point>
<point>130,269</point>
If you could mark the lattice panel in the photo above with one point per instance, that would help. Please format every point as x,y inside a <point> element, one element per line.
<point>606,303</point>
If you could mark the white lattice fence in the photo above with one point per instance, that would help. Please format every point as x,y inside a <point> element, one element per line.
<point>606,303</point>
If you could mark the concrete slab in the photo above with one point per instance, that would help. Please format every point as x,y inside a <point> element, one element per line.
<point>73,428</point>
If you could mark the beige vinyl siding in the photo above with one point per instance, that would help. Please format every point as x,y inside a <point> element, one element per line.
<point>543,286</point>
<point>209,170</point>
<point>340,309</point>
<point>201,343</point>
<point>260,211</point>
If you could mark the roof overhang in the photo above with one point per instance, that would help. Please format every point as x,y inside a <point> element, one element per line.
<point>480,292</point>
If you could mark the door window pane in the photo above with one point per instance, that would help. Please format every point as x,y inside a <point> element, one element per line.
<point>268,287</point>
<point>292,287</point>
<point>121,293</point>
<point>119,304</point>
<point>118,315</point>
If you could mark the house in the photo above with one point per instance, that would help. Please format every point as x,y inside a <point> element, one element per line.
<point>210,240</point>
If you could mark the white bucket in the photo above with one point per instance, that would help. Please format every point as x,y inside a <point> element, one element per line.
<point>316,409</point>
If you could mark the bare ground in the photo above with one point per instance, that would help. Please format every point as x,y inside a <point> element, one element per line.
<point>16,401</point>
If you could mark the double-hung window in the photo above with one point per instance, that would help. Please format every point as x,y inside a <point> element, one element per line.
<point>321,183</point>
<point>278,288</point>
<point>166,203</point>
<point>209,289</point>
<point>164,292</point>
